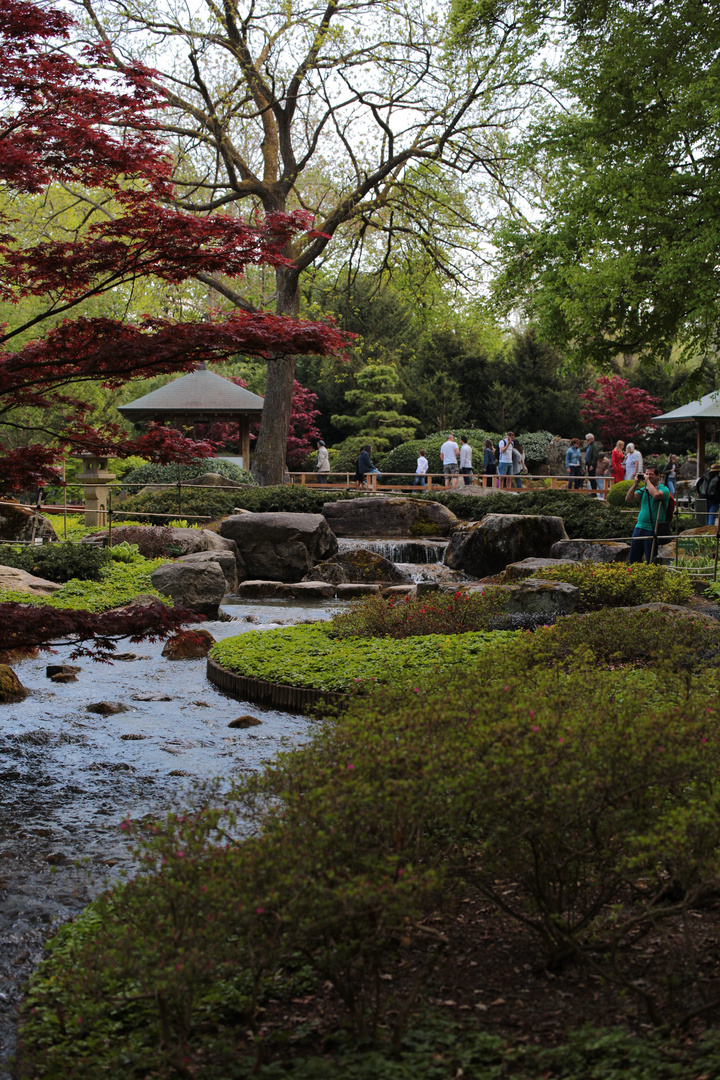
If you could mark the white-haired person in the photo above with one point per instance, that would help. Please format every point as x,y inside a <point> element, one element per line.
<point>633,462</point>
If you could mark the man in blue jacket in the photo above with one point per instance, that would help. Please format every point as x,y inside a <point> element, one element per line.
<point>572,464</point>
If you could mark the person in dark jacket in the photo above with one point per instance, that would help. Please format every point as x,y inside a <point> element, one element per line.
<point>489,463</point>
<point>365,465</point>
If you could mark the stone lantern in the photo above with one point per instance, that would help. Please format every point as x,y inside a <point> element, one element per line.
<point>95,479</point>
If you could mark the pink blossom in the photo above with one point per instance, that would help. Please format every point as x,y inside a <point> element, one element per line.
<point>350,768</point>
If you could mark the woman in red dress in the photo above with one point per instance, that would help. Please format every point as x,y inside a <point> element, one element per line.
<point>616,462</point>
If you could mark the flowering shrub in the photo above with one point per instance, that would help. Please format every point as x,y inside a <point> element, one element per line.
<point>618,585</point>
<point>438,613</point>
<point>635,637</point>
<point>567,796</point>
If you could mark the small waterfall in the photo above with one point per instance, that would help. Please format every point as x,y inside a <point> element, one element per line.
<point>400,551</point>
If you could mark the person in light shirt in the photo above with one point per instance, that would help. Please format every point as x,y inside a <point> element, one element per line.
<point>505,448</point>
<point>449,453</point>
<point>465,459</point>
<point>421,470</point>
<point>633,462</point>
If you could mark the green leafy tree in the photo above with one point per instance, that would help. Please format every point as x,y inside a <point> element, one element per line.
<point>377,405</point>
<point>621,252</point>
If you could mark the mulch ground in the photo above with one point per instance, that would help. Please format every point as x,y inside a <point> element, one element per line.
<point>493,971</point>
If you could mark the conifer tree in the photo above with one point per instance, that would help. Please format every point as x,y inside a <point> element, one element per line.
<point>377,403</point>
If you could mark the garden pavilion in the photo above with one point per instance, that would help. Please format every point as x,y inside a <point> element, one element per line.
<point>707,408</point>
<point>202,397</point>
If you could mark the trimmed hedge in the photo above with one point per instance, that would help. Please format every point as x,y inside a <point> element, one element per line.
<point>616,494</point>
<point>403,458</point>
<point>584,518</point>
<point>168,474</point>
<point>289,498</point>
<point>310,656</point>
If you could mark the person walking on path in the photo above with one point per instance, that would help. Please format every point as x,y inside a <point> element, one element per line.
<point>322,464</point>
<point>489,463</point>
<point>592,453</point>
<point>654,499</point>
<point>616,462</point>
<point>421,470</point>
<point>505,447</point>
<point>633,462</point>
<point>603,465</point>
<point>708,488</point>
<point>449,453</point>
<point>465,459</point>
<point>573,467</point>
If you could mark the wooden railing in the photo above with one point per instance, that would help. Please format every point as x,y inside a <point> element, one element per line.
<point>383,481</point>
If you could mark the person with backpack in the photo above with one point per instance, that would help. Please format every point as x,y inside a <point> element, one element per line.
<point>708,488</point>
<point>654,499</point>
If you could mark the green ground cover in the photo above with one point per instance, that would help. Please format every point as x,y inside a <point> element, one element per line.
<point>311,656</point>
<point>119,583</point>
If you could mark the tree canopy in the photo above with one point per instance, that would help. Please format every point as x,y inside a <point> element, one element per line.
<point>62,123</point>
<point>618,250</point>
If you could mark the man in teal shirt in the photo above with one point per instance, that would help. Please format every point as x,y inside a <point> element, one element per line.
<point>653,498</point>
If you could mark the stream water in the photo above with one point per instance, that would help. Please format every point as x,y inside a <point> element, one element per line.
<point>68,777</point>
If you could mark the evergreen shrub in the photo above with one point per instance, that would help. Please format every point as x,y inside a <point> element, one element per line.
<point>617,584</point>
<point>214,504</point>
<point>168,474</point>
<point>403,458</point>
<point>57,562</point>
<point>584,518</point>
<point>616,495</point>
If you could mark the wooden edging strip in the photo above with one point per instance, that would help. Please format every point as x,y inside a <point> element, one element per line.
<point>262,692</point>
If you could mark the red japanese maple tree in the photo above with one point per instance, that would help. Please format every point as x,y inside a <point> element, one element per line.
<point>60,122</point>
<point>616,410</point>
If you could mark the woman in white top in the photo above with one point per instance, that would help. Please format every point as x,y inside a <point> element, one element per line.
<point>633,462</point>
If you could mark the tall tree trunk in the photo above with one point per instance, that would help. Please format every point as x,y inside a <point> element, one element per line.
<point>268,463</point>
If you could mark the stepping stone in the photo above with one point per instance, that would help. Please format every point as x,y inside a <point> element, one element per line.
<point>347,592</point>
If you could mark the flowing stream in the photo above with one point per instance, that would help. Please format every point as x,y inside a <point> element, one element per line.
<point>68,777</point>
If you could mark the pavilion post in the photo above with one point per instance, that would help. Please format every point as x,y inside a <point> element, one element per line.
<point>244,447</point>
<point>700,448</point>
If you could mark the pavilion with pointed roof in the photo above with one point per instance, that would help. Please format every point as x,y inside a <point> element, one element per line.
<point>202,397</point>
<point>707,408</point>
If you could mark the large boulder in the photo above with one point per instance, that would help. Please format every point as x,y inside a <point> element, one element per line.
<point>483,548</point>
<point>280,547</point>
<point>600,551</point>
<point>533,597</point>
<point>20,581</point>
<point>21,524</point>
<point>199,586</point>
<point>389,517</point>
<point>226,560</point>
<point>156,541</point>
<point>11,689</point>
<point>192,644</point>
<point>359,567</point>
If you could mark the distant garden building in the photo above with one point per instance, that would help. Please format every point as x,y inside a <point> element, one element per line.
<point>201,397</point>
